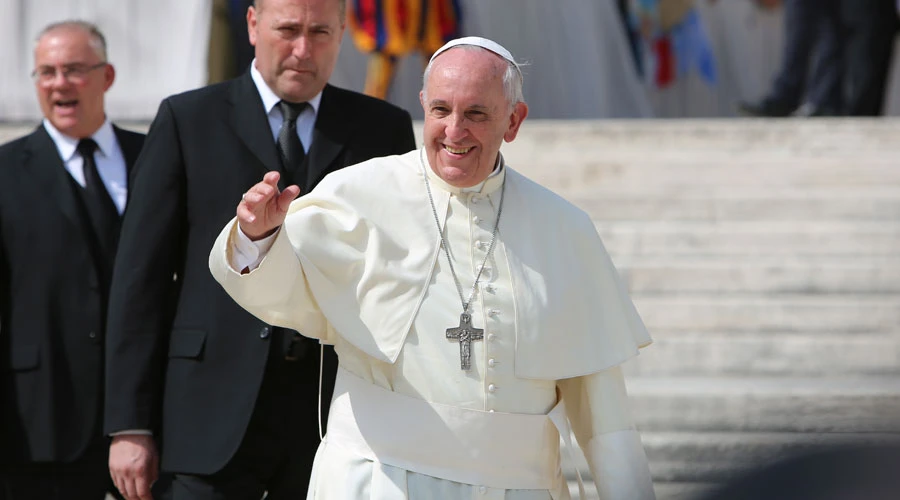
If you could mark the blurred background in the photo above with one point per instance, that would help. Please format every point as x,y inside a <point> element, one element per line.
<point>586,59</point>
<point>762,252</point>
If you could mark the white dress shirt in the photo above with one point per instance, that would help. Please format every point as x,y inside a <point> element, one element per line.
<point>305,121</point>
<point>108,156</point>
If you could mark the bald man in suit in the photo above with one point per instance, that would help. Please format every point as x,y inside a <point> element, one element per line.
<point>233,401</point>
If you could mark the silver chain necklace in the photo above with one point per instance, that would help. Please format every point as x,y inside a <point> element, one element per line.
<point>464,333</point>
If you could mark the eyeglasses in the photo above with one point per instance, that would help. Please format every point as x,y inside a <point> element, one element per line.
<point>73,73</point>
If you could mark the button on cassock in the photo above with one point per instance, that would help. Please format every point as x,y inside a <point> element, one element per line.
<point>492,388</point>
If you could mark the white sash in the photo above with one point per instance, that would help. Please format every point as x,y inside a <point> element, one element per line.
<point>493,449</point>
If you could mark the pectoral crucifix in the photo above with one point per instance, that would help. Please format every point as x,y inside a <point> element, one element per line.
<point>465,334</point>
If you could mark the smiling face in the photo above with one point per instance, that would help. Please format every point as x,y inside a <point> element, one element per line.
<point>467,115</point>
<point>297,44</point>
<point>74,103</point>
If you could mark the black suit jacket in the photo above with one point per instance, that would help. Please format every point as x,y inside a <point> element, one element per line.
<point>53,292</point>
<point>185,360</point>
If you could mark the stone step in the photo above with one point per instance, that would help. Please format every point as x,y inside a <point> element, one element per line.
<point>768,313</point>
<point>816,135</point>
<point>726,204</point>
<point>776,404</point>
<point>785,354</point>
<point>664,490</point>
<point>694,172</point>
<point>745,449</point>
<point>680,491</point>
<point>685,464</point>
<point>563,141</point>
<point>746,238</point>
<point>773,275</point>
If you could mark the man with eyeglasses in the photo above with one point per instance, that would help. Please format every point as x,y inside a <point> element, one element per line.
<point>63,189</point>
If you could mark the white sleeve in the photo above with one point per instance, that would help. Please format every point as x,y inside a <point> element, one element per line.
<point>597,406</point>
<point>276,291</point>
<point>246,254</point>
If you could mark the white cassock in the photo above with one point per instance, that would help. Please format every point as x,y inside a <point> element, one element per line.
<point>358,264</point>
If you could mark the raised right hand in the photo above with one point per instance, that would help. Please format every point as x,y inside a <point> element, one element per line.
<point>133,465</point>
<point>263,208</point>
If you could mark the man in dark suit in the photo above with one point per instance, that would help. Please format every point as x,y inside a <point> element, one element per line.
<point>233,402</point>
<point>62,190</point>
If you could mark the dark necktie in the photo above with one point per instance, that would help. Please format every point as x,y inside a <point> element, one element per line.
<point>289,145</point>
<point>101,209</point>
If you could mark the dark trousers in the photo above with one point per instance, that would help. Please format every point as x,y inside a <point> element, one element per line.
<point>812,64</point>
<point>87,478</point>
<point>277,451</point>
<point>869,27</point>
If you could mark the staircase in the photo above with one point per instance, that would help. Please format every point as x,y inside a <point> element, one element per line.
<point>764,257</point>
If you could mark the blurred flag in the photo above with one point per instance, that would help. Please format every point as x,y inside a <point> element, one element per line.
<point>390,29</point>
<point>674,41</point>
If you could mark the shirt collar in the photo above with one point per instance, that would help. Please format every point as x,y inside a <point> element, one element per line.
<point>105,137</point>
<point>487,186</point>
<point>269,99</point>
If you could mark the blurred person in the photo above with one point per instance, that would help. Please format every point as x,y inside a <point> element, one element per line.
<point>232,400</point>
<point>852,41</point>
<point>63,189</point>
<point>812,31</point>
<point>450,236</point>
<point>869,28</point>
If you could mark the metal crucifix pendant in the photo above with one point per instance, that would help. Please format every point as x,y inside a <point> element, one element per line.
<point>465,334</point>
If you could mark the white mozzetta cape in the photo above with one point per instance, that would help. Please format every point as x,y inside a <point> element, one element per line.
<point>367,244</point>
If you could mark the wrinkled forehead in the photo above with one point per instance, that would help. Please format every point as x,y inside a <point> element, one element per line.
<point>468,62</point>
<point>466,78</point>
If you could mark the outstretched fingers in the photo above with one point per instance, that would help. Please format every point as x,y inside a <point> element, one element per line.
<point>287,196</point>
<point>263,207</point>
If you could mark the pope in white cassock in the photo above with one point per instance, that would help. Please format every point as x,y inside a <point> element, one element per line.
<point>475,314</point>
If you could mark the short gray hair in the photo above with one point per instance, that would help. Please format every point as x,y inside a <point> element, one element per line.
<point>512,78</point>
<point>97,40</point>
<point>257,4</point>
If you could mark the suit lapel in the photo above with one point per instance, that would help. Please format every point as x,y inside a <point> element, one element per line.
<point>250,123</point>
<point>130,146</point>
<point>334,125</point>
<point>43,162</point>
